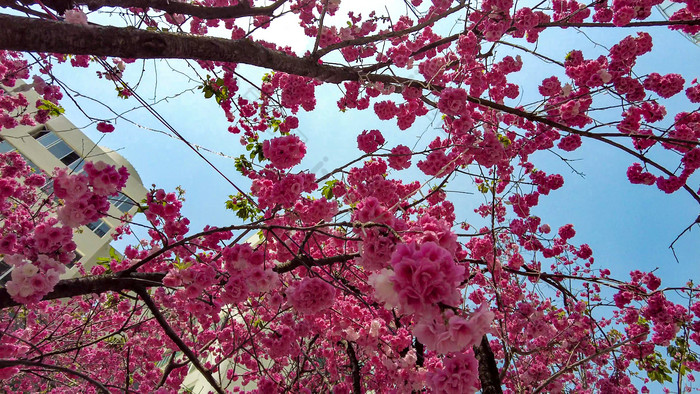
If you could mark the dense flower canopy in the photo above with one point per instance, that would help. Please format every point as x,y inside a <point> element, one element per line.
<point>365,279</point>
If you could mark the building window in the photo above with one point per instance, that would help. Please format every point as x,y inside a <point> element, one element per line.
<point>5,271</point>
<point>48,187</point>
<point>59,148</point>
<point>5,146</point>
<point>122,202</point>
<point>77,257</point>
<point>45,137</point>
<point>99,227</point>
<point>77,166</point>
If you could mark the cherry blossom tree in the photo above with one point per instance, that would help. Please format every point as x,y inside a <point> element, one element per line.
<point>363,279</point>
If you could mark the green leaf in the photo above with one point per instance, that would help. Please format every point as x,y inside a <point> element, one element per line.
<point>54,110</point>
<point>121,93</point>
<point>504,140</point>
<point>327,189</point>
<point>242,207</point>
<point>114,255</point>
<point>242,164</point>
<point>182,265</point>
<point>255,149</point>
<point>275,124</point>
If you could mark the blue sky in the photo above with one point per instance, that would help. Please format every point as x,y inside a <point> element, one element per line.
<point>628,226</point>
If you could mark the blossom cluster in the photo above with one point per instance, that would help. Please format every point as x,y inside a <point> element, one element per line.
<point>311,295</point>
<point>85,195</point>
<point>164,208</point>
<point>284,152</point>
<point>370,141</point>
<point>32,280</point>
<point>284,190</point>
<point>422,280</point>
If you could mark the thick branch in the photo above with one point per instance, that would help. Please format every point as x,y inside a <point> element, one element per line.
<point>92,285</point>
<point>356,377</point>
<point>488,370</point>
<point>420,353</point>
<point>37,35</point>
<point>308,262</point>
<point>240,10</point>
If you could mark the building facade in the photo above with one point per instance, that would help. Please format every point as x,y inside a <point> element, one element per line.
<point>59,143</point>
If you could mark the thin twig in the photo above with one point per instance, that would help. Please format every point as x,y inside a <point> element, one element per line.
<point>11,363</point>
<point>177,340</point>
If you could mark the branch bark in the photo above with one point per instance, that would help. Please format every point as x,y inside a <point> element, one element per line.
<point>92,285</point>
<point>631,24</point>
<point>114,282</point>
<point>37,35</point>
<point>356,377</point>
<point>488,370</point>
<point>242,9</point>
<point>299,261</point>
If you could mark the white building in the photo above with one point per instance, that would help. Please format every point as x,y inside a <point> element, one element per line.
<point>59,143</point>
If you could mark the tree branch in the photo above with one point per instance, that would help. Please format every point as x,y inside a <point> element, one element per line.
<point>36,35</point>
<point>177,340</point>
<point>356,377</point>
<point>631,24</point>
<point>420,352</point>
<point>585,360</point>
<point>92,285</point>
<point>242,9</point>
<point>389,79</point>
<point>309,262</point>
<point>387,35</point>
<point>488,370</point>
<point>11,363</point>
<point>239,10</point>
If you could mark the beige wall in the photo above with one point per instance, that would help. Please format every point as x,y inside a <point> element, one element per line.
<point>90,245</point>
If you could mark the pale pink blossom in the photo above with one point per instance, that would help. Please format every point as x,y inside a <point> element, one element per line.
<point>76,17</point>
<point>384,288</point>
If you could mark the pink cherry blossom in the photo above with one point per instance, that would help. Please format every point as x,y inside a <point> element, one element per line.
<point>311,295</point>
<point>284,152</point>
